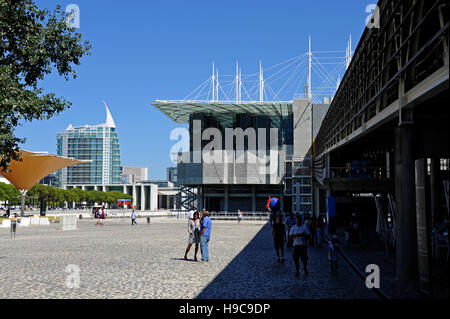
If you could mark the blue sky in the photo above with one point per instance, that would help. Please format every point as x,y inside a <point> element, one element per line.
<point>148,50</point>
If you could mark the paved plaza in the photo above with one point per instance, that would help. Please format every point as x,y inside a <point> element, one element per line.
<point>146,261</point>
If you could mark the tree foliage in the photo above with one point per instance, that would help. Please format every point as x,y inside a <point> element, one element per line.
<point>33,43</point>
<point>58,197</point>
<point>9,193</point>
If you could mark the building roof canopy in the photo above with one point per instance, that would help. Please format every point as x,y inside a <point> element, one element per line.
<point>179,111</point>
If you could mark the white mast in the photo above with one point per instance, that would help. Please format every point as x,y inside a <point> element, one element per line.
<point>349,53</point>
<point>213,82</point>
<point>309,71</point>
<point>217,85</point>
<point>261,82</point>
<point>240,85</point>
<point>237,82</point>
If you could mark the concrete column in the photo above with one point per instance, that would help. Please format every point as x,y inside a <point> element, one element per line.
<point>297,198</point>
<point>388,165</point>
<point>134,193</point>
<point>143,197</point>
<point>423,229</point>
<point>160,201</point>
<point>254,198</point>
<point>316,199</point>
<point>226,201</point>
<point>200,198</point>
<point>405,201</point>
<point>168,202</point>
<point>434,181</point>
<point>153,197</point>
<point>124,190</point>
<point>282,202</point>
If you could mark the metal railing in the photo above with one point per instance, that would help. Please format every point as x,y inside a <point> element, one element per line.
<point>357,173</point>
<point>246,216</point>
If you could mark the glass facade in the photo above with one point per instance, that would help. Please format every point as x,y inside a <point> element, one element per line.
<point>284,124</point>
<point>100,145</point>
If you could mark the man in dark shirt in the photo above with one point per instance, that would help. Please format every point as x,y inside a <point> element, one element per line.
<point>279,236</point>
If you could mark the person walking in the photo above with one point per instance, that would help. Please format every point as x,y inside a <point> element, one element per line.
<point>133,218</point>
<point>239,216</point>
<point>290,221</point>
<point>279,237</point>
<point>14,225</point>
<point>300,235</point>
<point>332,253</point>
<point>205,236</point>
<point>194,235</point>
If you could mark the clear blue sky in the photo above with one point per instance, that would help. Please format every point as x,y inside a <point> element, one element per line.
<point>148,50</point>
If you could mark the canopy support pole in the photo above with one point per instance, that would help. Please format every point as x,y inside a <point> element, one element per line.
<point>22,206</point>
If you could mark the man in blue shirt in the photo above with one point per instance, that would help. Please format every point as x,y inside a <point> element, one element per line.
<point>205,236</point>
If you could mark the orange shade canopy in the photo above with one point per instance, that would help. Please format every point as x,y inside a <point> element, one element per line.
<point>33,167</point>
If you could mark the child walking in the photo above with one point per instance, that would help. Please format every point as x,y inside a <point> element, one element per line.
<point>332,253</point>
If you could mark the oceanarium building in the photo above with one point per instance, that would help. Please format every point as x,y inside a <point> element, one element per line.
<point>100,145</point>
<point>232,184</point>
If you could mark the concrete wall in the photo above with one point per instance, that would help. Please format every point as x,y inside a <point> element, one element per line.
<point>319,112</point>
<point>302,128</point>
<point>308,119</point>
<point>234,173</point>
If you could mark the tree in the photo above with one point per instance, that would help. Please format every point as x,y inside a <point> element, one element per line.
<point>98,197</point>
<point>10,194</point>
<point>33,42</point>
<point>79,195</point>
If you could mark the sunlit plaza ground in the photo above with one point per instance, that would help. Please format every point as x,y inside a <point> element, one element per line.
<point>146,261</point>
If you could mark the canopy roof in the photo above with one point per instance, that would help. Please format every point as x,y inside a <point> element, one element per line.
<point>179,111</point>
<point>34,167</point>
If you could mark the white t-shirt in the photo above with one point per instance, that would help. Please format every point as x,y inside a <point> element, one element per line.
<point>298,230</point>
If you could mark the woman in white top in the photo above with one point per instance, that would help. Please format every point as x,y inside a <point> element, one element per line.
<point>194,235</point>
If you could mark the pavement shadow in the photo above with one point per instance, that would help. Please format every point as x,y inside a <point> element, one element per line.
<point>249,267</point>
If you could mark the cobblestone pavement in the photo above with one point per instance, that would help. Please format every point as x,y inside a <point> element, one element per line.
<point>390,284</point>
<point>118,261</point>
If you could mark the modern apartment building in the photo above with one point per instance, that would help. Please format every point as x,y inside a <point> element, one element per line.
<point>97,143</point>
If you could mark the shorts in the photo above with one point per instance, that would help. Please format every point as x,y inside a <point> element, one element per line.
<point>301,252</point>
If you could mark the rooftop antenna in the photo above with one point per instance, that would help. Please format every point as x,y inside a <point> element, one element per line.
<point>261,82</point>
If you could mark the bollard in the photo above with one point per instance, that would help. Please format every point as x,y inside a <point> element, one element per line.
<point>13,228</point>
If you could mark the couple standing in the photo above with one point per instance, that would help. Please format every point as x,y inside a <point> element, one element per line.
<point>199,233</point>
